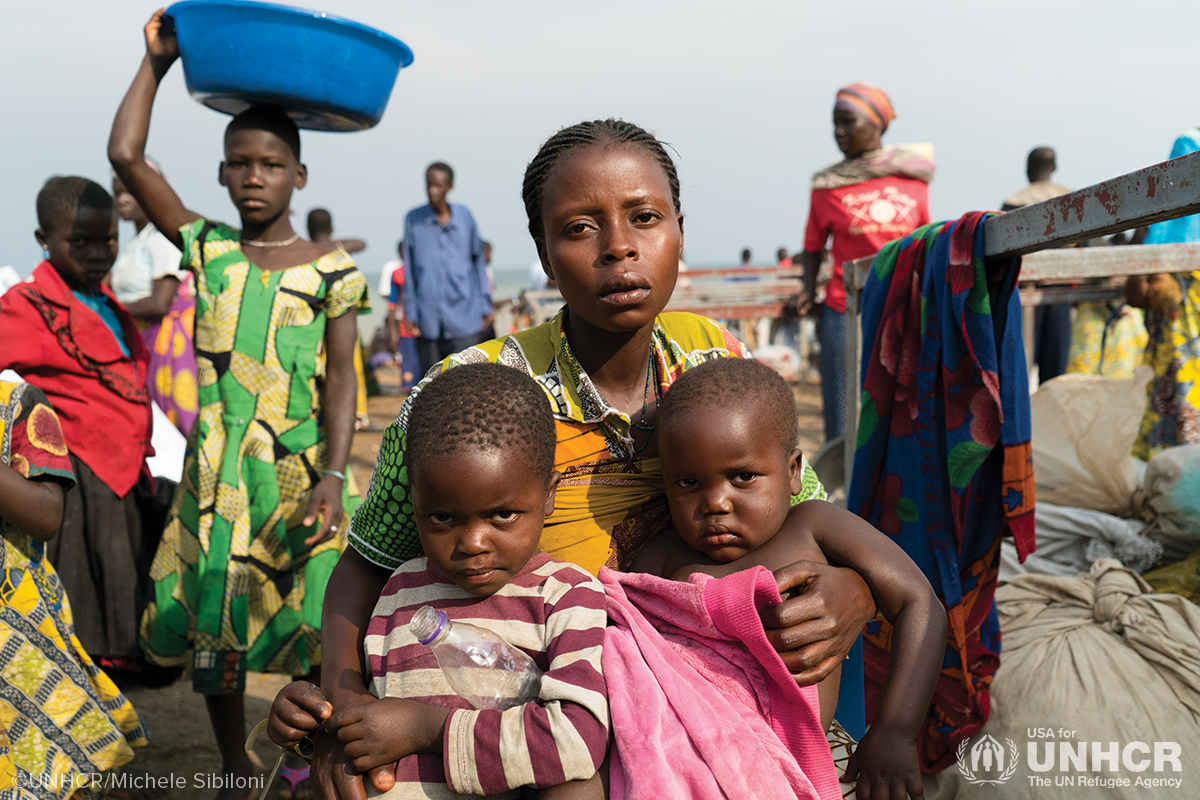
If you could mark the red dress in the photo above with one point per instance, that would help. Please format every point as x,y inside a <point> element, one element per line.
<point>63,348</point>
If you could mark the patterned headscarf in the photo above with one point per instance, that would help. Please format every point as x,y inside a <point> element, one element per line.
<point>869,100</point>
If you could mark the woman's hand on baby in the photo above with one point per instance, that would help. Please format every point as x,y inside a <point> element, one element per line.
<point>325,504</point>
<point>885,765</point>
<point>387,730</point>
<point>161,44</point>
<point>814,630</point>
<point>297,713</point>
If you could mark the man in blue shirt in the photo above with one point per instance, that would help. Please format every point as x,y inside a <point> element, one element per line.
<point>447,295</point>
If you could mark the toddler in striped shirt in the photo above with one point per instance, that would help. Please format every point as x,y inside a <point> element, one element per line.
<point>480,447</point>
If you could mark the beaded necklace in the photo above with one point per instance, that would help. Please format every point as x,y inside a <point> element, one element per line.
<point>651,377</point>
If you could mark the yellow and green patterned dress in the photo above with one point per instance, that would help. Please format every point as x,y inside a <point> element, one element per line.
<point>62,718</point>
<point>235,587</point>
<point>1173,413</point>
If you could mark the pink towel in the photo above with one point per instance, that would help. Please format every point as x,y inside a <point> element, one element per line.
<point>702,706</point>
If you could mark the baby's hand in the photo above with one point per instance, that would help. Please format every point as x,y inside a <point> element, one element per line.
<point>160,38</point>
<point>885,764</point>
<point>387,730</point>
<point>297,713</point>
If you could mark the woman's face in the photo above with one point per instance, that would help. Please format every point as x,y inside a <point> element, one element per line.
<point>854,133</point>
<point>612,238</point>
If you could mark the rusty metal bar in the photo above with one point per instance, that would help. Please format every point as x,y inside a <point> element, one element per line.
<point>732,292</point>
<point>1078,263</point>
<point>853,398</point>
<point>1163,191</point>
<point>1051,295</point>
<point>854,273</point>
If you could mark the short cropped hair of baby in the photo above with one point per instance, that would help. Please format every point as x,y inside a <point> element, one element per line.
<point>727,433</point>
<point>480,456</point>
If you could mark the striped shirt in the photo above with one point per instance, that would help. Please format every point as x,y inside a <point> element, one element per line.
<point>553,611</point>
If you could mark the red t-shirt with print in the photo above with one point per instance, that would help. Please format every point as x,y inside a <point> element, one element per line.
<point>861,219</point>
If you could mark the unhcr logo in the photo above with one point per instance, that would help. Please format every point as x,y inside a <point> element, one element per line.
<point>1072,763</point>
<point>987,762</point>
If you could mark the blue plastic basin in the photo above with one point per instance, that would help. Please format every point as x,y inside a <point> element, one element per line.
<point>328,73</point>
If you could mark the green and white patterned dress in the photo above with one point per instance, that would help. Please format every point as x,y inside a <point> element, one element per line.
<point>236,589</point>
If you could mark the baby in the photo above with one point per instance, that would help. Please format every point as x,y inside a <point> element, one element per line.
<point>481,443</point>
<point>726,435</point>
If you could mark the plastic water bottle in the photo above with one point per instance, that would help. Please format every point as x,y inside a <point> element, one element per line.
<point>479,665</point>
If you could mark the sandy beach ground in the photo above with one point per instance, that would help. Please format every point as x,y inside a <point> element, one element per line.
<point>181,742</point>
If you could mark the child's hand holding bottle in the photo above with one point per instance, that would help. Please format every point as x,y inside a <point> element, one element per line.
<point>885,765</point>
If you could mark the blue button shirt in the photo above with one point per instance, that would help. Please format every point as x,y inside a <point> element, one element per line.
<point>446,289</point>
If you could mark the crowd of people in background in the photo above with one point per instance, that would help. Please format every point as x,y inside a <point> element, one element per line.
<point>245,339</point>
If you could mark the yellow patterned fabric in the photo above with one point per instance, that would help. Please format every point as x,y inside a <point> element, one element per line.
<point>1173,414</point>
<point>236,588</point>
<point>1181,578</point>
<point>62,718</point>
<point>1107,338</point>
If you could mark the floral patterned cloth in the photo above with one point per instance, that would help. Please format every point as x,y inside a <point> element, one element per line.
<point>61,718</point>
<point>236,589</point>
<point>1173,416</point>
<point>943,462</point>
<point>172,376</point>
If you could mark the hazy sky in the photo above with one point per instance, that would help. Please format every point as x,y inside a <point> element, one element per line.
<point>743,91</point>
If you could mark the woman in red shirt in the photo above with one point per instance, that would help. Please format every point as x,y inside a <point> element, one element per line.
<point>875,195</point>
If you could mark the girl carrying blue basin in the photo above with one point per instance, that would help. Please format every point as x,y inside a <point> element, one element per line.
<point>259,520</point>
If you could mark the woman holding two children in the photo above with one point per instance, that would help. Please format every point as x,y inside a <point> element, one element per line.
<point>603,204</point>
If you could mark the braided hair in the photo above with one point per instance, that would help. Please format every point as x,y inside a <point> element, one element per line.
<point>600,131</point>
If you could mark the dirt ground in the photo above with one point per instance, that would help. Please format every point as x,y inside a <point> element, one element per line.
<point>181,742</point>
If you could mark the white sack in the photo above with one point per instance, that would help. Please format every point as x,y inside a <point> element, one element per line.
<point>1098,655</point>
<point>1084,427</point>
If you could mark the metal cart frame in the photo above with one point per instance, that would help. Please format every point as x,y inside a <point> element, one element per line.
<point>1160,192</point>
